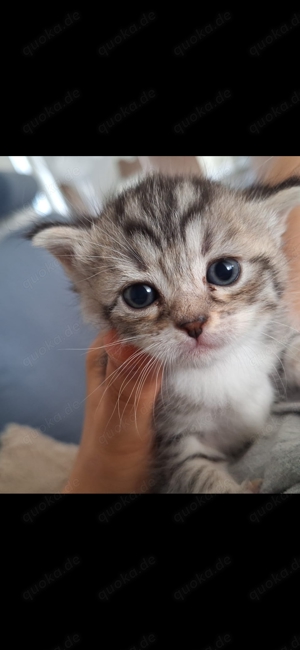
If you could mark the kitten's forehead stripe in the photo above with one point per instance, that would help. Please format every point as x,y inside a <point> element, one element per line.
<point>207,241</point>
<point>191,214</point>
<point>167,205</point>
<point>164,268</point>
<point>137,227</point>
<point>137,260</point>
<point>119,209</point>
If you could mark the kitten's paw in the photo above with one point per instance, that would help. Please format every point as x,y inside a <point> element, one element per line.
<point>251,487</point>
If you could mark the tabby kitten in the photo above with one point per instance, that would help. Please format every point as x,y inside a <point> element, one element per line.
<point>193,272</point>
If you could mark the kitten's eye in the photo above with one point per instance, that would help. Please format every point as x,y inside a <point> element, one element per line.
<point>139,296</point>
<point>223,272</point>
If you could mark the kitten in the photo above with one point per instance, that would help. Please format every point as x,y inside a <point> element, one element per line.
<point>192,272</point>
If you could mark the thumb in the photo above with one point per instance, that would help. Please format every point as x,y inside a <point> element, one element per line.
<point>136,375</point>
<point>123,390</point>
<point>131,393</point>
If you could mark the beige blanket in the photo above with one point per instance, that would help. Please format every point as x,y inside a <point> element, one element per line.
<point>32,462</point>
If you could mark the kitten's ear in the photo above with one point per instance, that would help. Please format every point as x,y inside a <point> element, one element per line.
<point>61,240</point>
<point>284,200</point>
<point>279,200</point>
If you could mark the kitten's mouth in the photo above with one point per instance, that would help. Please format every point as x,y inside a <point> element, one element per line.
<point>201,345</point>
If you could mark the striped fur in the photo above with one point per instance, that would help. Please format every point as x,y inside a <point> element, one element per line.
<point>165,232</point>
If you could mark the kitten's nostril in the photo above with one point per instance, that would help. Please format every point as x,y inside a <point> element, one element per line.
<point>194,332</point>
<point>194,329</point>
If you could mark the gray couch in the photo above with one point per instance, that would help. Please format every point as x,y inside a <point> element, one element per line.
<point>42,384</point>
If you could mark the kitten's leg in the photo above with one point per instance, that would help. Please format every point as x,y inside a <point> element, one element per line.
<point>202,476</point>
<point>195,472</point>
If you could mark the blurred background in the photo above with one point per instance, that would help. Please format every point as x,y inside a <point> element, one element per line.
<point>68,184</point>
<point>43,339</point>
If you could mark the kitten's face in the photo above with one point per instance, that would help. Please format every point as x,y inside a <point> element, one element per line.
<point>200,254</point>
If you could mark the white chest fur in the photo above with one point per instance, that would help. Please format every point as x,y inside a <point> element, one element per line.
<point>226,404</point>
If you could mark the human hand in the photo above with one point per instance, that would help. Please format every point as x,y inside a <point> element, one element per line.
<point>116,447</point>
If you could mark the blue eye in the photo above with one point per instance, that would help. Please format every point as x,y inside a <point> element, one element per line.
<point>139,296</point>
<point>223,272</point>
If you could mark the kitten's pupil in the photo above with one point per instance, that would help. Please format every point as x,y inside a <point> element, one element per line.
<point>139,296</point>
<point>223,272</point>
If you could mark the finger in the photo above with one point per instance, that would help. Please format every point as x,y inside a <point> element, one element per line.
<point>127,405</point>
<point>108,347</point>
<point>121,381</point>
<point>133,365</point>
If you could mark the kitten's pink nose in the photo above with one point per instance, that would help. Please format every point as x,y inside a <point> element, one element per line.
<point>194,329</point>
